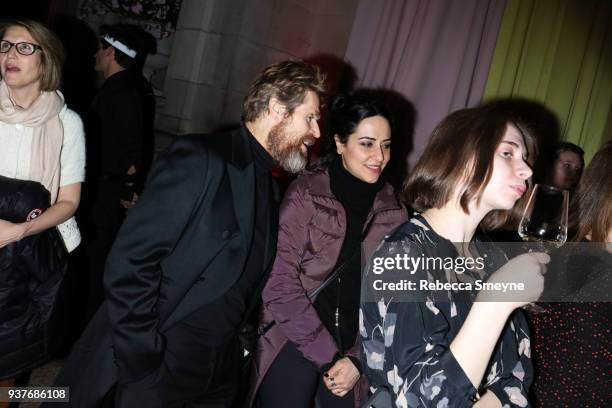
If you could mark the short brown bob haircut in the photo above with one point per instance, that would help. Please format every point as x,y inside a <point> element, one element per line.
<point>52,55</point>
<point>593,199</point>
<point>288,81</point>
<point>468,137</point>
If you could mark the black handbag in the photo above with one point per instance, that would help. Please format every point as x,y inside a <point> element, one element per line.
<point>251,335</point>
<point>312,294</point>
<point>248,334</point>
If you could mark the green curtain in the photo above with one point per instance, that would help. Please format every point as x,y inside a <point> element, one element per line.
<point>559,53</point>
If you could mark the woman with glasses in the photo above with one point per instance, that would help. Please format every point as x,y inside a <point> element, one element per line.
<point>41,141</point>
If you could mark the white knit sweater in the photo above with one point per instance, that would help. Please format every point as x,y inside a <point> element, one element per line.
<point>15,155</point>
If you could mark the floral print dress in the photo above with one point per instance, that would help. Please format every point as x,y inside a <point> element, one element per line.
<point>406,343</point>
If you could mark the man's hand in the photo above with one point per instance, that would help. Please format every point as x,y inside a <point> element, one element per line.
<point>342,377</point>
<point>129,204</point>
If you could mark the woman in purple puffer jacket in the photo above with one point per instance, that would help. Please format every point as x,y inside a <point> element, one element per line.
<point>310,349</point>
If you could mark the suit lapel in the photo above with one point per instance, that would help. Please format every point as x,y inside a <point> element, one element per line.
<point>241,172</point>
<point>243,194</point>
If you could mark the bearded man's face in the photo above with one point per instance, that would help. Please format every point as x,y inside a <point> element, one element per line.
<point>289,139</point>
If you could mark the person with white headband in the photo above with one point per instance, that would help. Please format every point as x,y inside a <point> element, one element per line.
<point>119,46</point>
<point>121,132</point>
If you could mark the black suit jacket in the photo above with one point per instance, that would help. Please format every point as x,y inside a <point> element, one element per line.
<point>183,245</point>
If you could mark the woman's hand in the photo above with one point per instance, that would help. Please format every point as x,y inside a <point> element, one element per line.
<point>528,269</point>
<point>474,344</point>
<point>11,232</point>
<point>342,377</point>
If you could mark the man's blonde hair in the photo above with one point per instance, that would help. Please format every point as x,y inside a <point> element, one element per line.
<point>288,81</point>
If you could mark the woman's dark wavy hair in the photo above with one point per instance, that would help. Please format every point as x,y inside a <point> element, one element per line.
<point>346,112</point>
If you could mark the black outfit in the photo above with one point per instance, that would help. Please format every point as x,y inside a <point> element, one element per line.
<point>122,137</point>
<point>215,323</point>
<point>342,295</point>
<point>120,106</point>
<point>572,345</point>
<point>293,378</point>
<point>184,251</point>
<point>31,274</point>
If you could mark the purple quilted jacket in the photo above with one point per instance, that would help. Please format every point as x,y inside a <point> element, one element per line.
<point>311,227</point>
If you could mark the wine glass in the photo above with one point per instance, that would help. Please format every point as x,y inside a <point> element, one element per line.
<point>544,221</point>
<point>545,217</point>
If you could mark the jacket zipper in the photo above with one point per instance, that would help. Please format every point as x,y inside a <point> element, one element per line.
<point>337,324</point>
<point>337,318</point>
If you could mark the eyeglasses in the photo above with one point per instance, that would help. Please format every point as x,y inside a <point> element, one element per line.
<point>24,48</point>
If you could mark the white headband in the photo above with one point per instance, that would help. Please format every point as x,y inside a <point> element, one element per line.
<point>120,46</point>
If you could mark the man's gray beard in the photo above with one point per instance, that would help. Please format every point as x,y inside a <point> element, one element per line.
<point>293,161</point>
<point>289,156</point>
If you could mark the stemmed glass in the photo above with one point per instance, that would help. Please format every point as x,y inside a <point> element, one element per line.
<point>545,217</point>
<point>545,221</point>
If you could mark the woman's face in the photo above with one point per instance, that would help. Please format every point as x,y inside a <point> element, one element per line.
<point>510,172</point>
<point>20,71</point>
<point>567,170</point>
<point>367,150</point>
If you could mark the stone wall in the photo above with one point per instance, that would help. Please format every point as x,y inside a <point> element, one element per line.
<point>220,45</point>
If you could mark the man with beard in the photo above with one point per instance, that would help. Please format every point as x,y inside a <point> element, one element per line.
<point>191,257</point>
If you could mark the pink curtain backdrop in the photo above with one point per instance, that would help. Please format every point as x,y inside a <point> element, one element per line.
<point>436,53</point>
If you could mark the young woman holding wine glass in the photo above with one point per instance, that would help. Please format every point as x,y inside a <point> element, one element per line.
<point>457,348</point>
